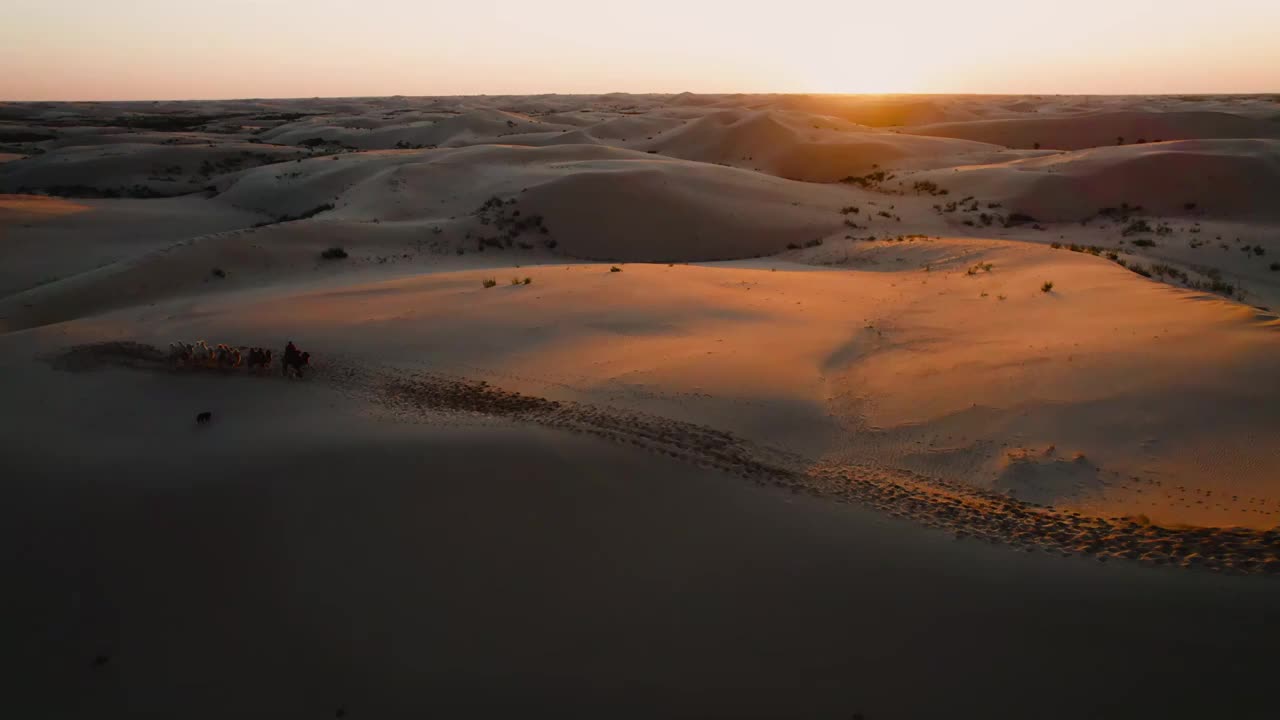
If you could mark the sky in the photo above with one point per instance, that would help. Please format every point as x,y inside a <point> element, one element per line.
<point>180,49</point>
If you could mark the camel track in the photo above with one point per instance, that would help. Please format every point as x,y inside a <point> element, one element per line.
<point>965,511</point>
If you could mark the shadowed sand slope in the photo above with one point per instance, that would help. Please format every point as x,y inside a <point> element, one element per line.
<point>294,574</point>
<point>1076,132</point>
<point>47,240</point>
<point>134,169</point>
<point>1220,178</point>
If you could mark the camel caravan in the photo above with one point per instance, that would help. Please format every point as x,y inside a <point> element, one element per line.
<point>225,357</point>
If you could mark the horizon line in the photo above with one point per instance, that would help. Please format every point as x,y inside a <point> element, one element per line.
<point>652,93</point>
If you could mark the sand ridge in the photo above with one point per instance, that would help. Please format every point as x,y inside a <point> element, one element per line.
<point>957,508</point>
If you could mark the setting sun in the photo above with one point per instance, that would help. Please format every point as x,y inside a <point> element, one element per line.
<point>93,50</point>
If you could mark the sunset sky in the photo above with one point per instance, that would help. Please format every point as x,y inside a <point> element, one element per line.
<point>170,49</point>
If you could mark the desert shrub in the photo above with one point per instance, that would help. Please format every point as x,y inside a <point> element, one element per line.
<point>1047,286</point>
<point>515,281</point>
<point>1163,269</point>
<point>1055,245</point>
<point>314,211</point>
<point>301,216</point>
<point>1275,267</point>
<point>1120,214</point>
<point>850,210</point>
<point>1189,206</point>
<point>1137,226</point>
<point>1018,218</point>
<point>219,272</point>
<point>1144,242</point>
<point>614,269</point>
<point>813,243</point>
<point>334,253</point>
<point>980,267</point>
<point>1214,284</point>
<point>870,180</point>
<point>488,282</point>
<point>165,123</point>
<point>527,281</point>
<point>793,246</point>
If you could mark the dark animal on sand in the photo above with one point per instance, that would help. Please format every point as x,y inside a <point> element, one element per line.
<point>297,363</point>
<point>293,360</point>
<point>204,417</point>
<point>259,359</point>
<point>226,356</point>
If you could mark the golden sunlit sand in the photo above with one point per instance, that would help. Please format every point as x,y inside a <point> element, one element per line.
<point>750,405</point>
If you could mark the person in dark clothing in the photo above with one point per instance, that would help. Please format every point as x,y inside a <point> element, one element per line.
<point>294,359</point>
<point>290,358</point>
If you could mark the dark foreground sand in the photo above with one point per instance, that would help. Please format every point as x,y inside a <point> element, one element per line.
<point>257,568</point>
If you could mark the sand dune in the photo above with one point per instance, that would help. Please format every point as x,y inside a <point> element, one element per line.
<point>645,210</point>
<point>1215,178</point>
<point>1076,132</point>
<point>471,127</point>
<point>856,371</point>
<point>598,202</point>
<point>589,202</point>
<point>53,240</point>
<point>812,148</point>
<point>767,404</point>
<point>135,169</point>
